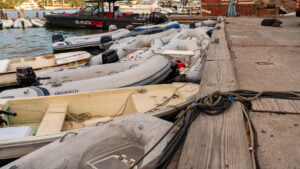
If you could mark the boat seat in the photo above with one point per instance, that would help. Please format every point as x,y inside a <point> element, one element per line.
<point>4,65</point>
<point>53,119</point>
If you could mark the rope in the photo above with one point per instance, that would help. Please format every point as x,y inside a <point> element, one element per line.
<point>78,117</point>
<point>124,105</point>
<point>167,100</point>
<point>215,104</point>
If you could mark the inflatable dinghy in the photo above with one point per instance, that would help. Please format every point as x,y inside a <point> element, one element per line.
<point>151,71</point>
<point>135,58</point>
<point>22,23</point>
<point>7,24</point>
<point>8,66</point>
<point>188,48</point>
<point>125,46</point>
<point>38,22</point>
<point>41,120</point>
<point>60,43</point>
<point>107,41</point>
<point>116,145</point>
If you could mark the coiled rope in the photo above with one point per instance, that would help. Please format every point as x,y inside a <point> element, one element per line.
<point>215,104</point>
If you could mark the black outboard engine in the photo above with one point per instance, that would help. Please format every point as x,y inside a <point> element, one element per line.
<point>192,25</point>
<point>105,41</point>
<point>109,56</point>
<point>26,76</point>
<point>157,18</point>
<point>57,38</point>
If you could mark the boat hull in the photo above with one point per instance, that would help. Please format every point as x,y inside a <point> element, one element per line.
<point>91,22</point>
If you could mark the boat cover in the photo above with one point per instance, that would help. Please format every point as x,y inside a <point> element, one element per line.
<point>114,145</point>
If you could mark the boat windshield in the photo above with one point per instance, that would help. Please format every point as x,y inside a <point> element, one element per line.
<point>89,11</point>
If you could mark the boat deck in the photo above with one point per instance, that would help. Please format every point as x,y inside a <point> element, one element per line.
<point>253,57</point>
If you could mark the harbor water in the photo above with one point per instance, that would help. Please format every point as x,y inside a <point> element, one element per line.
<point>15,43</point>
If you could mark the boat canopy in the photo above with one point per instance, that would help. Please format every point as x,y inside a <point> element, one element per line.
<point>101,4</point>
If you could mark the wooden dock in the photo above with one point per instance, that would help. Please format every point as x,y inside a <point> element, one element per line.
<point>186,19</point>
<point>248,56</point>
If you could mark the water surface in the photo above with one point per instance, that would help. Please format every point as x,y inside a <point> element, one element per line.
<point>15,43</point>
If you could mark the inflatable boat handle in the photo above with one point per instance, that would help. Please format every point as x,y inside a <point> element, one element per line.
<point>63,137</point>
<point>8,113</point>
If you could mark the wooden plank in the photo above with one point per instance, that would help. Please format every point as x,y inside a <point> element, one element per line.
<point>257,105</point>
<point>269,104</point>
<point>279,105</point>
<point>4,65</point>
<point>212,140</point>
<point>53,119</point>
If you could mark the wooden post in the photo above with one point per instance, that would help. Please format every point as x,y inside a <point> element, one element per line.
<point>22,13</point>
<point>37,15</point>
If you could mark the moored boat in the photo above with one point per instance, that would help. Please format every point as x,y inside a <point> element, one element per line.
<point>99,17</point>
<point>107,41</point>
<point>85,41</point>
<point>125,46</point>
<point>7,24</point>
<point>188,49</point>
<point>153,70</point>
<point>38,22</point>
<point>77,111</point>
<point>8,66</point>
<point>116,145</point>
<point>22,23</point>
<point>57,77</point>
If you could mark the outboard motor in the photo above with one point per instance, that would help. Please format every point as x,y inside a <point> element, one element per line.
<point>192,25</point>
<point>57,38</point>
<point>109,56</point>
<point>105,41</point>
<point>157,18</point>
<point>26,76</point>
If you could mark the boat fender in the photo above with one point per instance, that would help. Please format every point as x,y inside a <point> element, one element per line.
<point>57,38</point>
<point>105,39</point>
<point>110,56</point>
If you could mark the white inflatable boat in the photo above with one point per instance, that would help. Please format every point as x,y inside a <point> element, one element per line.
<point>115,145</point>
<point>38,22</point>
<point>48,62</point>
<point>151,71</point>
<point>136,57</point>
<point>83,41</point>
<point>107,41</point>
<point>125,46</point>
<point>7,24</point>
<point>22,23</point>
<point>188,48</point>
